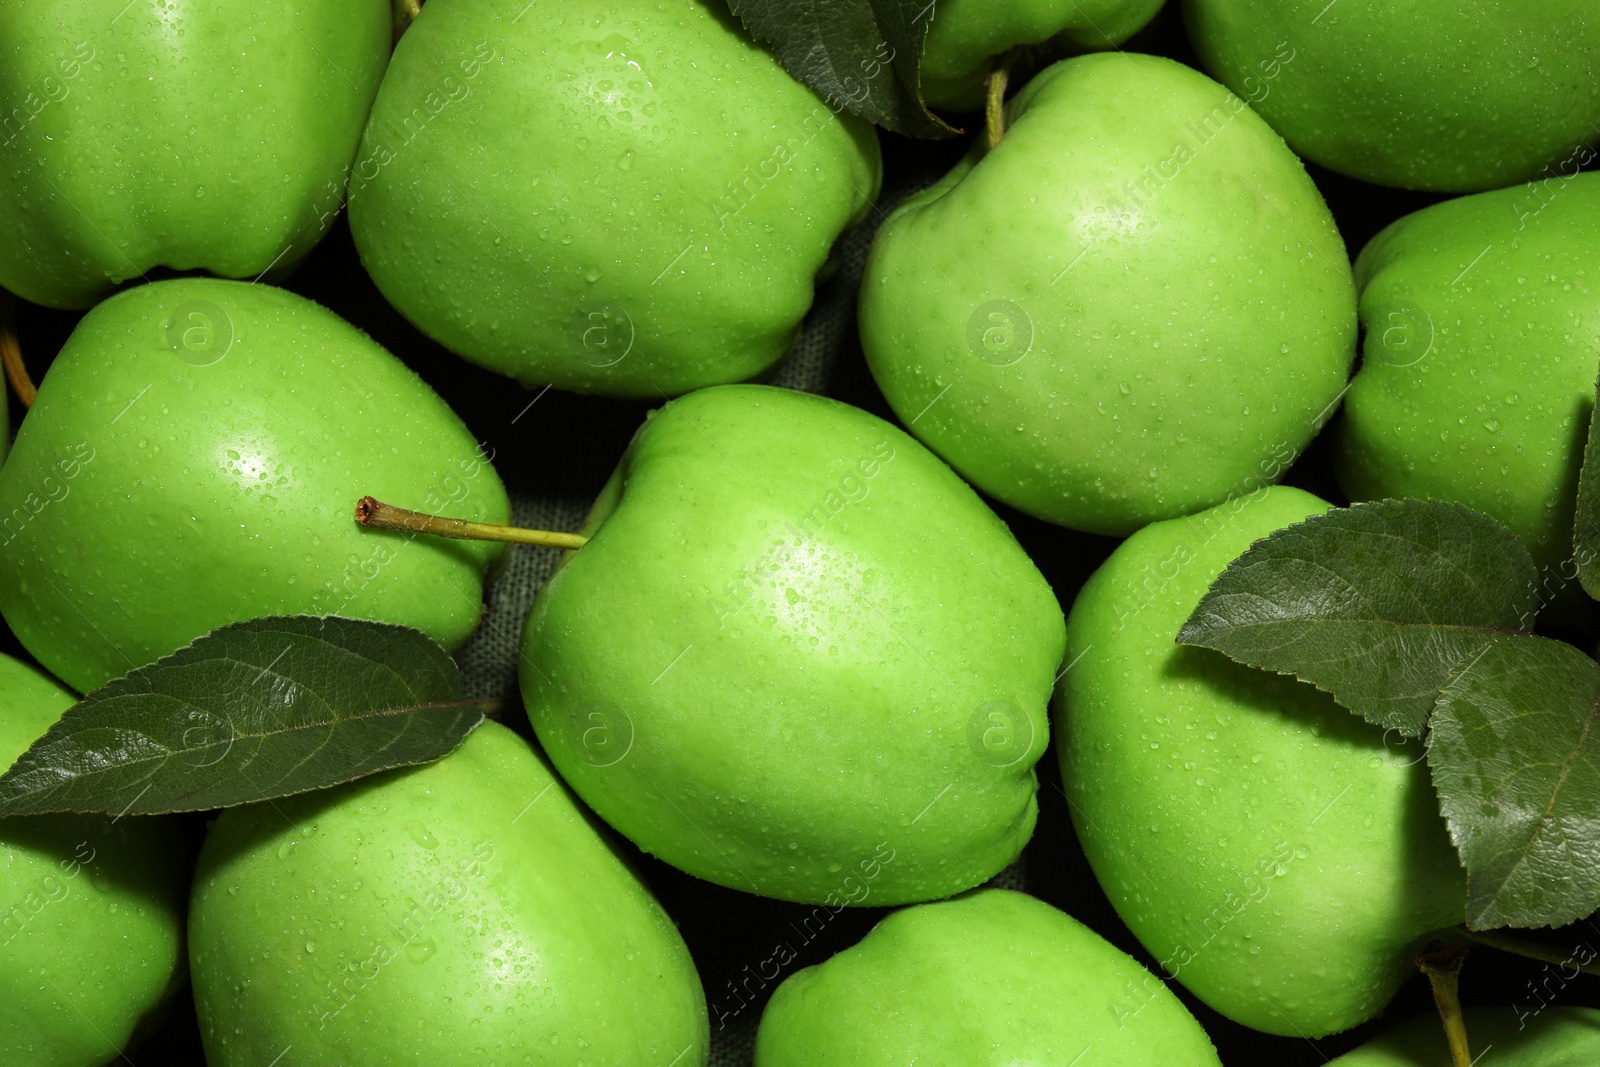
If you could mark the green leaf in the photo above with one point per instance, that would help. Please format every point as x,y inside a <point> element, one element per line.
<point>255,710</point>
<point>1586,523</point>
<point>862,56</point>
<point>1513,754</point>
<point>1375,604</point>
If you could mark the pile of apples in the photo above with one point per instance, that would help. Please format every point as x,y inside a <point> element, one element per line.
<point>797,655</point>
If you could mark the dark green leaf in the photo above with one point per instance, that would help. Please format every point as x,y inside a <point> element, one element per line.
<point>1375,604</point>
<point>251,711</point>
<point>1586,524</point>
<point>862,56</point>
<point>1513,754</point>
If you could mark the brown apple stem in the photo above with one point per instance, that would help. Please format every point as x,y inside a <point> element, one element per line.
<point>1533,950</point>
<point>994,108</point>
<point>381,516</point>
<point>11,353</point>
<point>1441,962</point>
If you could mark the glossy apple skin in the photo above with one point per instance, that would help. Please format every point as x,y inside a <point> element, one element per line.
<point>464,912</point>
<point>91,910</point>
<point>188,135</point>
<point>1276,854</point>
<point>1421,95</point>
<point>1553,1037</point>
<point>991,978</point>
<point>967,38</point>
<point>799,657</point>
<point>1483,320</point>
<point>1101,354</point>
<point>150,499</point>
<point>632,203</point>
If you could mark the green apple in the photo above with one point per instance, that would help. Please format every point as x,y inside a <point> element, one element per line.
<point>798,656</point>
<point>1501,1037</point>
<point>1133,306</point>
<point>464,912</point>
<point>91,911</point>
<point>967,38</point>
<point>1277,855</point>
<point>137,134</point>
<point>1430,94</point>
<point>631,201</point>
<point>194,458</point>
<point>991,978</point>
<point>1483,328</point>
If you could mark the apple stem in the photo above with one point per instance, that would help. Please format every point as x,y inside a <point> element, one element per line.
<point>11,352</point>
<point>1518,946</point>
<point>405,13</point>
<point>994,110</point>
<point>381,516</point>
<point>1441,962</point>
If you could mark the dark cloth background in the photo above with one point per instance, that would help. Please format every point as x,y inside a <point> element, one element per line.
<point>554,450</point>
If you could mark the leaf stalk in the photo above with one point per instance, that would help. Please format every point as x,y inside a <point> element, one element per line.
<point>1533,950</point>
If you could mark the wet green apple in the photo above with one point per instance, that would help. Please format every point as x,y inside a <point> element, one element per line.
<point>1277,855</point>
<point>631,200</point>
<point>1133,306</point>
<point>464,912</point>
<point>91,911</point>
<point>194,458</point>
<point>798,656</point>
<point>1520,1036</point>
<point>991,978</point>
<point>1483,324</point>
<point>1421,95</point>
<point>967,38</point>
<point>137,134</point>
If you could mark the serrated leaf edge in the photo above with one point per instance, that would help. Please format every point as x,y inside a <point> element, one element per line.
<point>485,705</point>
